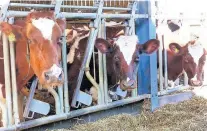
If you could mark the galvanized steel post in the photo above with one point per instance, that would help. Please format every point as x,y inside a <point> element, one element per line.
<point>13,78</point>
<point>100,66</point>
<point>105,82</point>
<point>7,78</point>
<point>65,85</point>
<point>153,58</point>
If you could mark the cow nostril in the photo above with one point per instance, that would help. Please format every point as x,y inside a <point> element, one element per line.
<point>46,76</point>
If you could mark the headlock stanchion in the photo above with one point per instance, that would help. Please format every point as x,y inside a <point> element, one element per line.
<point>138,16</point>
<point>88,53</point>
<point>62,97</point>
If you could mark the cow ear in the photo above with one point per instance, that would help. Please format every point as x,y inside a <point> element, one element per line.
<point>13,32</point>
<point>175,48</point>
<point>62,24</point>
<point>103,45</point>
<point>70,35</point>
<point>151,46</point>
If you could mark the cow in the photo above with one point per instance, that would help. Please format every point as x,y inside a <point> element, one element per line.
<point>37,49</point>
<point>185,52</point>
<point>121,55</point>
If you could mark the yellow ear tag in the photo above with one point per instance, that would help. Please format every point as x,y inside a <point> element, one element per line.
<point>176,50</point>
<point>11,37</point>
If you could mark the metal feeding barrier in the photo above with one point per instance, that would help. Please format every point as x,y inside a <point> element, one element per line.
<point>97,12</point>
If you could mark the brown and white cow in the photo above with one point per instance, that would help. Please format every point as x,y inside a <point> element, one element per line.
<point>121,55</point>
<point>185,52</point>
<point>190,58</point>
<point>40,32</point>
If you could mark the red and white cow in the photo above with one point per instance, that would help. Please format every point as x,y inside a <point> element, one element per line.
<point>184,53</point>
<point>40,32</point>
<point>121,55</point>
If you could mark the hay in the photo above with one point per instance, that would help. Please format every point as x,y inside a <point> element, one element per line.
<point>185,116</point>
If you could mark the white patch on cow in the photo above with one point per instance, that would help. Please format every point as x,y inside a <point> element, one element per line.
<point>196,51</point>
<point>127,45</point>
<point>194,78</point>
<point>45,26</point>
<point>56,71</point>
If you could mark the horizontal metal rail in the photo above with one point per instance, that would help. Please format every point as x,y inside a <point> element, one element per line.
<point>67,6</point>
<point>55,118</point>
<point>177,88</point>
<point>31,5</point>
<point>81,15</point>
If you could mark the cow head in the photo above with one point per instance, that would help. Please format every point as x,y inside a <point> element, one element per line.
<point>193,57</point>
<point>124,57</point>
<point>41,33</point>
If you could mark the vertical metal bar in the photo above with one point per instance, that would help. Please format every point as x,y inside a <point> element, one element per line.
<point>185,79</point>
<point>153,59</point>
<point>165,65</point>
<point>88,52</point>
<point>64,63</point>
<point>131,31</point>
<point>160,63</point>
<point>58,6</point>
<point>94,65</point>
<point>14,82</point>
<point>100,63</point>
<point>65,85</point>
<point>126,23</point>
<point>7,78</point>
<point>60,94</point>
<point>105,82</point>
<point>101,76</point>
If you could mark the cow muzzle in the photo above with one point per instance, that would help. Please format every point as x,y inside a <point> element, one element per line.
<point>128,84</point>
<point>53,75</point>
<point>195,82</point>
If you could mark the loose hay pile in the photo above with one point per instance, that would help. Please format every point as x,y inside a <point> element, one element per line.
<point>185,116</point>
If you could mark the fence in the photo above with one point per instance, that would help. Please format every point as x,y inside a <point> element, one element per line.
<point>94,13</point>
<point>98,12</point>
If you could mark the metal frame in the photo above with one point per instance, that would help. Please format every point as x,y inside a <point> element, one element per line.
<point>145,30</point>
<point>165,88</point>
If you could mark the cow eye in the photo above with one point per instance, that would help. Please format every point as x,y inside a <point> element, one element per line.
<point>59,39</point>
